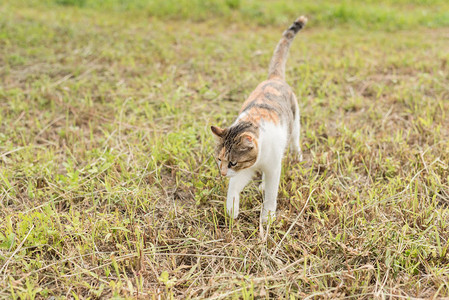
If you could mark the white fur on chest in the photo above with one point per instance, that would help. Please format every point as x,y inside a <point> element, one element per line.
<point>272,143</point>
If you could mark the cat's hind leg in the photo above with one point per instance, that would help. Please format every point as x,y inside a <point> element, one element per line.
<point>262,183</point>
<point>295,138</point>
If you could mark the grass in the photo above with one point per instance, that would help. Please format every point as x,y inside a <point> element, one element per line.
<point>107,183</point>
<point>373,14</point>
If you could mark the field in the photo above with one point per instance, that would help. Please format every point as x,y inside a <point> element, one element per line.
<point>108,186</point>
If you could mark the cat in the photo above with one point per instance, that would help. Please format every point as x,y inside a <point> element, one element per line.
<point>267,122</point>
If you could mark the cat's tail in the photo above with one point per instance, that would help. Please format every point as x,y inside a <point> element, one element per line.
<point>277,64</point>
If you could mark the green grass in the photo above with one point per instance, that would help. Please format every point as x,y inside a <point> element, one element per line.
<point>373,14</point>
<point>107,183</point>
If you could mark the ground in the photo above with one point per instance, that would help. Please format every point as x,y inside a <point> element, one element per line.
<point>108,186</point>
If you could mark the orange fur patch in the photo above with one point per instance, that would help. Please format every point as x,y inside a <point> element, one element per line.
<point>256,114</point>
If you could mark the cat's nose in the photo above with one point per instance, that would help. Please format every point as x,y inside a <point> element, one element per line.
<point>223,172</point>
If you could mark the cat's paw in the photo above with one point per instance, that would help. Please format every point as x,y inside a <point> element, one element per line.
<point>299,156</point>
<point>267,216</point>
<point>232,207</point>
<point>232,212</point>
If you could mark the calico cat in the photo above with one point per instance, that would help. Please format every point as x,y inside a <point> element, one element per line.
<point>267,122</point>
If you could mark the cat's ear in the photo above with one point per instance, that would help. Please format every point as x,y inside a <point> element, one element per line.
<point>247,142</point>
<point>217,131</point>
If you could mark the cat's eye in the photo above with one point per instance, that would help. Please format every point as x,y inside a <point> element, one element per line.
<point>231,164</point>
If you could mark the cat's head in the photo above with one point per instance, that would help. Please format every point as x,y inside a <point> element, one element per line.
<point>237,147</point>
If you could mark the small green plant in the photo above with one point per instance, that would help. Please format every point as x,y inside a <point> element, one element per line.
<point>168,283</point>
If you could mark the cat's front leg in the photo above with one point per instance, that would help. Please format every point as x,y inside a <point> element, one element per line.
<point>236,185</point>
<point>272,178</point>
